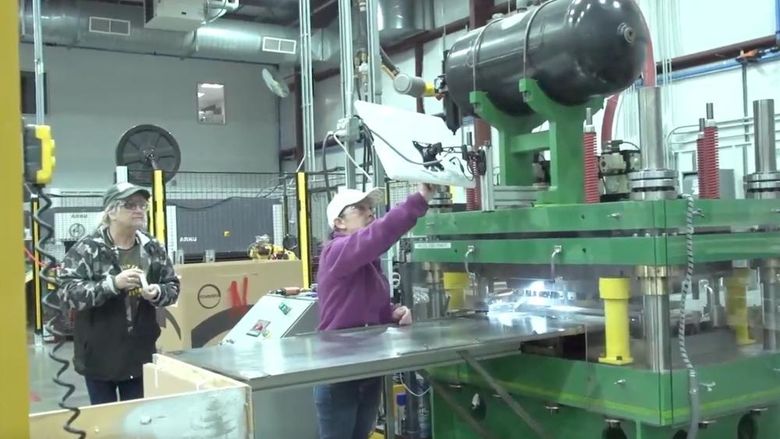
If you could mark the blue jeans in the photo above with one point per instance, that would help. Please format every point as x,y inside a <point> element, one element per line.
<point>102,392</point>
<point>348,410</point>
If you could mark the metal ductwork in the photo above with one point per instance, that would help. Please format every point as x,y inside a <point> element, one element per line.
<point>120,28</point>
<point>325,46</point>
<point>399,19</point>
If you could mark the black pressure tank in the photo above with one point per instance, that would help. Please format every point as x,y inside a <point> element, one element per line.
<point>577,50</point>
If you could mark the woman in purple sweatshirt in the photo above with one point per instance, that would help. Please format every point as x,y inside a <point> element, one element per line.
<point>353,292</point>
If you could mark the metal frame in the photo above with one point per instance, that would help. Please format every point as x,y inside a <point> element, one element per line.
<point>621,251</point>
<point>519,143</point>
<point>649,232</point>
<point>625,215</point>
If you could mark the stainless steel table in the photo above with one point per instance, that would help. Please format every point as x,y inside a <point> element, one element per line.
<point>373,351</point>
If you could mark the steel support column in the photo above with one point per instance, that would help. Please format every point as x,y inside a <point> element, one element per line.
<point>14,405</point>
<point>347,84</point>
<point>375,83</point>
<point>307,86</point>
<point>298,96</point>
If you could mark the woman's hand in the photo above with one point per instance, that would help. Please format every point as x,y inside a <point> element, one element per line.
<point>427,190</point>
<point>152,293</point>
<point>402,315</point>
<point>128,279</point>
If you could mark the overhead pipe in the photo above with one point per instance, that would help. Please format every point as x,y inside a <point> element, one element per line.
<point>720,66</point>
<point>67,24</point>
<point>719,53</point>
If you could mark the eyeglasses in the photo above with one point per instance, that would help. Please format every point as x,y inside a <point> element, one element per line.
<point>130,205</point>
<point>360,207</point>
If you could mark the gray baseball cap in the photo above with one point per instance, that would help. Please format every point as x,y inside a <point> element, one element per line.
<point>120,191</point>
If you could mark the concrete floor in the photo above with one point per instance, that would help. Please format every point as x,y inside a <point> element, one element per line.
<point>44,393</point>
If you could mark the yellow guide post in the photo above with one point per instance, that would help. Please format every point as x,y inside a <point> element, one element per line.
<point>736,304</point>
<point>616,292</point>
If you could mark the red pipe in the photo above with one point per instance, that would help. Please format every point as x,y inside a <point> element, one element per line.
<point>592,194</point>
<point>649,72</point>
<point>609,119</point>
<point>649,79</point>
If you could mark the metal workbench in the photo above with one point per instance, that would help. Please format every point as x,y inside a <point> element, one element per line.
<point>373,351</point>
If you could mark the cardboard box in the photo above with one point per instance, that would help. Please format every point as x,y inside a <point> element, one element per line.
<point>214,296</point>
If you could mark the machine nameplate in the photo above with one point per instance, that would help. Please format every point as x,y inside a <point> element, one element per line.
<point>432,245</point>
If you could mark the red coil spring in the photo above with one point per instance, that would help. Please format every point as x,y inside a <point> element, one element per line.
<point>702,174</point>
<point>474,196</point>
<point>708,164</point>
<point>591,174</point>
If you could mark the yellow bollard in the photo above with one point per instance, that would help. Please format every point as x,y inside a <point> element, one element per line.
<point>736,305</point>
<point>616,292</point>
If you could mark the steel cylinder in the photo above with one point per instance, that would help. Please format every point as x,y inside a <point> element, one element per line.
<point>576,50</point>
<point>764,132</point>
<point>651,132</point>
<point>656,317</point>
<point>658,338</point>
<point>770,287</point>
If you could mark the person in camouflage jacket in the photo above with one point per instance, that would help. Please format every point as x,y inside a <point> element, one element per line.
<point>115,327</point>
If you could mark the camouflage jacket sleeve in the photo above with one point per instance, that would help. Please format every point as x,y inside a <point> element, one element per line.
<point>169,282</point>
<point>80,287</point>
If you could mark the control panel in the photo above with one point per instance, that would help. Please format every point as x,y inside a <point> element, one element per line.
<point>275,316</point>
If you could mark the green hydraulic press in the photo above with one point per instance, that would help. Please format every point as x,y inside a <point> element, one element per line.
<point>679,293</point>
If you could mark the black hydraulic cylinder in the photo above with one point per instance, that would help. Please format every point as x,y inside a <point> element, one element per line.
<point>577,50</point>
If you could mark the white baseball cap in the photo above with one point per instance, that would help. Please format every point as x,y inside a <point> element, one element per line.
<point>348,197</point>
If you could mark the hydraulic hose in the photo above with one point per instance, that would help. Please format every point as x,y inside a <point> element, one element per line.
<point>693,382</point>
<point>48,275</point>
